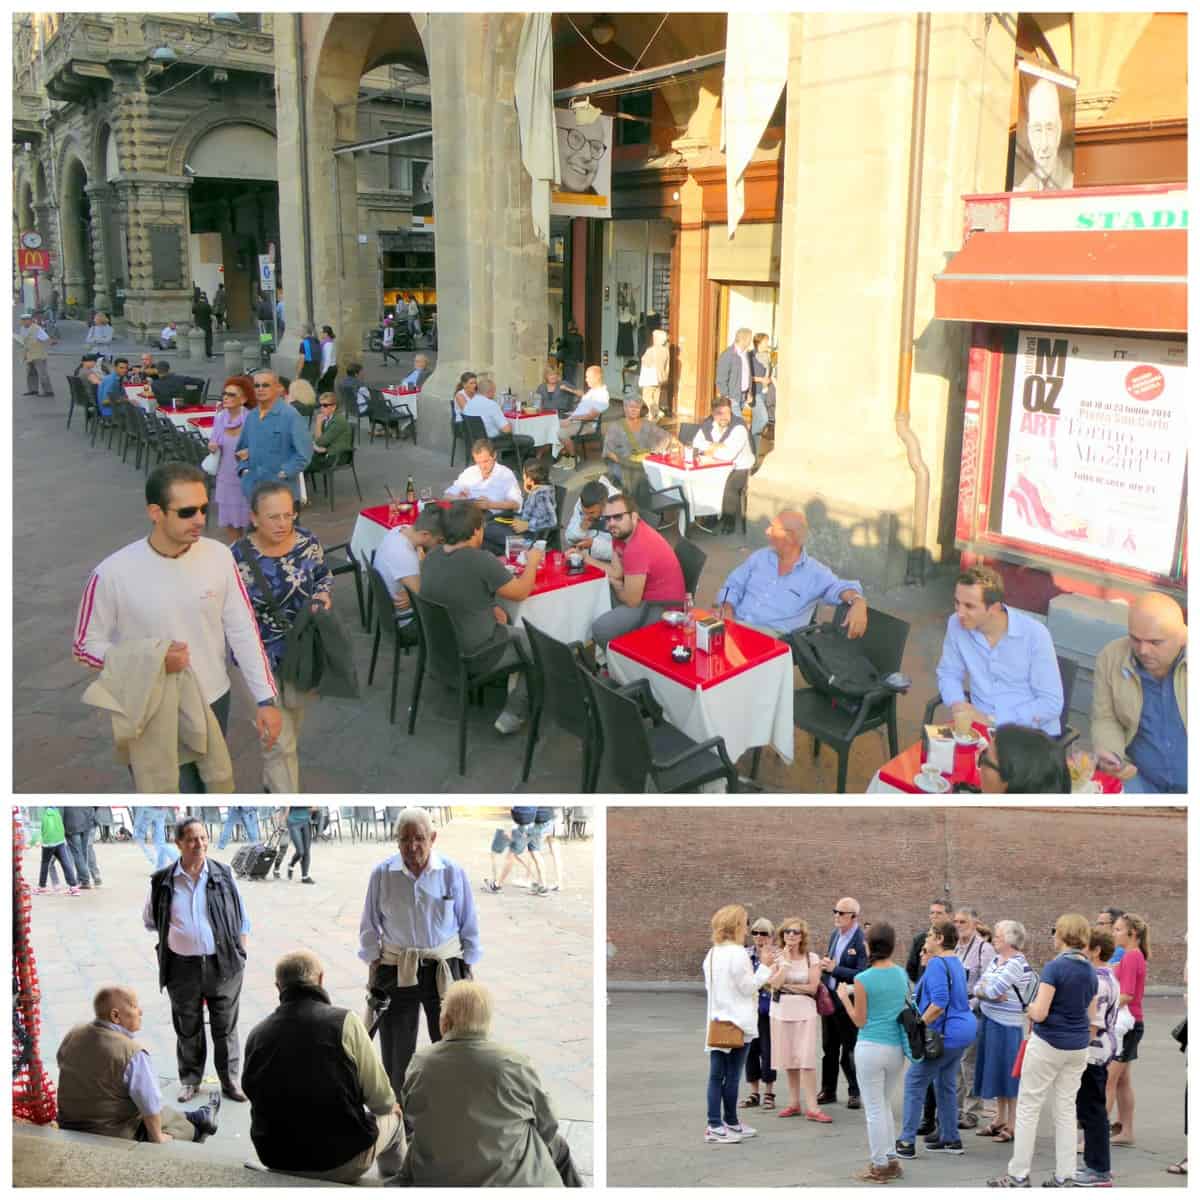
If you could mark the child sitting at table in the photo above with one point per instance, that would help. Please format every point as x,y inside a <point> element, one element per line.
<point>538,516</point>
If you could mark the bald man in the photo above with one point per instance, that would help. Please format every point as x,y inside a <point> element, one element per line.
<point>777,588</point>
<point>844,958</point>
<point>1139,700</point>
<point>107,1083</point>
<point>1043,131</point>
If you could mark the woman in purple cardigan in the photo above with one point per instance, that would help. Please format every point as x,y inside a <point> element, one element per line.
<point>232,507</point>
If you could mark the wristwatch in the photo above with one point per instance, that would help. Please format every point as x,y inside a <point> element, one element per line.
<point>271,703</point>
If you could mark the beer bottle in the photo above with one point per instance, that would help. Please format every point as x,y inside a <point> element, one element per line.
<point>410,492</point>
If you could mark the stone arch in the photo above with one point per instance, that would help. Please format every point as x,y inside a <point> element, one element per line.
<point>23,197</point>
<point>190,132</point>
<point>78,271</point>
<point>42,188</point>
<point>106,159</point>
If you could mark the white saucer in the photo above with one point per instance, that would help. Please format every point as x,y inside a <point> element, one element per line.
<point>974,738</point>
<point>934,784</point>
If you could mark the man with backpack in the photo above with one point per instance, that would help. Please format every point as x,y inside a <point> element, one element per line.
<point>777,588</point>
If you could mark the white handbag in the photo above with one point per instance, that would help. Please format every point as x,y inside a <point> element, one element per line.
<point>211,462</point>
<point>648,377</point>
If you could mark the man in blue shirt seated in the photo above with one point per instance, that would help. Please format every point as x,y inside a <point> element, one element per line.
<point>112,387</point>
<point>420,372</point>
<point>1003,655</point>
<point>1139,700</point>
<point>107,1084</point>
<point>777,589</point>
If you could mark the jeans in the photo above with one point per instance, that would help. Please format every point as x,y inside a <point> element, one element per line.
<point>49,853</point>
<point>1047,1072</point>
<point>301,836</point>
<point>724,1074</point>
<point>78,843</point>
<point>879,1068</point>
<point>154,818</point>
<point>1091,1115</point>
<point>943,1074</point>
<point>244,815</point>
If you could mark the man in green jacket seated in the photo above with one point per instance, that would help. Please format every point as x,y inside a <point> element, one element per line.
<point>331,434</point>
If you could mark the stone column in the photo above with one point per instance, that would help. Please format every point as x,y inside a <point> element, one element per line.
<point>46,219</point>
<point>845,185</point>
<point>99,197</point>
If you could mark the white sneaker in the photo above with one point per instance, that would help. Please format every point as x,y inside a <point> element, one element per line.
<point>722,1136</point>
<point>508,722</point>
<point>742,1130</point>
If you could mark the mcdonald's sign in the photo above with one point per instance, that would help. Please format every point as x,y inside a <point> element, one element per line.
<point>31,261</point>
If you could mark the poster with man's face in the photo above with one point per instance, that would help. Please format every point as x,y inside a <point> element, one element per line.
<point>1045,158</point>
<point>422,194</point>
<point>585,166</point>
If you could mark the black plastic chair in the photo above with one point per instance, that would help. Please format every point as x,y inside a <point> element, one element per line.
<point>688,431</point>
<point>77,392</point>
<point>556,691</point>
<point>342,461</point>
<point>349,566</point>
<point>472,429</point>
<point>386,619</point>
<point>633,753</point>
<point>691,563</point>
<point>1067,670</point>
<point>814,712</point>
<point>662,507</point>
<point>380,414</point>
<point>456,431</point>
<point>440,655</point>
<point>590,437</point>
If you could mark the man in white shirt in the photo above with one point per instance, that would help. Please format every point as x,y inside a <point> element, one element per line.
<point>398,559</point>
<point>592,404</point>
<point>723,439</point>
<point>492,486</point>
<point>183,587</point>
<point>166,339</point>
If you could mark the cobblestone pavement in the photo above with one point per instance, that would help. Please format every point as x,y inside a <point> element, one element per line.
<point>73,505</point>
<point>537,958</point>
<point>657,1070</point>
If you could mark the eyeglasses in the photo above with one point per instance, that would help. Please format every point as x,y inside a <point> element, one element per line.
<point>190,510</point>
<point>576,141</point>
<point>262,386</point>
<point>841,912</point>
<point>759,933</point>
<point>614,516</point>
<point>284,516</point>
<point>791,932</point>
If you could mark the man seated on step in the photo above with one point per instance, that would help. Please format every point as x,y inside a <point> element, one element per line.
<point>108,1085</point>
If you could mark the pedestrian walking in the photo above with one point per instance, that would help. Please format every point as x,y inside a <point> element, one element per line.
<point>244,815</point>
<point>79,824</point>
<point>275,442</point>
<point>34,340</point>
<point>328,377</point>
<point>219,306</point>
<point>299,827</point>
<point>149,819</point>
<point>54,846</point>
<point>204,320</point>
<point>237,398</point>
<point>308,365</point>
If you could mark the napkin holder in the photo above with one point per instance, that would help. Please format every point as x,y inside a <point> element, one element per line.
<point>939,751</point>
<point>709,633</point>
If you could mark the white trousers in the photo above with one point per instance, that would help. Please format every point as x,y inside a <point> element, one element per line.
<point>1047,1072</point>
<point>879,1069</point>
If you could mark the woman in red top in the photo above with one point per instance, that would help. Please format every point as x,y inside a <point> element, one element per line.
<point>1131,932</point>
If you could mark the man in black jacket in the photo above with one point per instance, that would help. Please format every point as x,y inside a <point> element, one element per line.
<point>203,313</point>
<point>79,824</point>
<point>196,909</point>
<point>845,957</point>
<point>321,1105</point>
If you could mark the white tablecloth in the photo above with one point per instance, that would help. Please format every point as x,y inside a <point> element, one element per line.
<point>365,539</point>
<point>409,400</point>
<point>704,488</point>
<point>753,708</point>
<point>543,429</point>
<point>566,613</point>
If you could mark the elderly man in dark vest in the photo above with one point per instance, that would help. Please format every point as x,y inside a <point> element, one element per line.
<point>195,908</point>
<point>107,1083</point>
<point>321,1105</point>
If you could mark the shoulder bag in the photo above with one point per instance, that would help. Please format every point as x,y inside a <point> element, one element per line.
<point>935,1042</point>
<point>912,1027</point>
<point>722,1035</point>
<point>824,997</point>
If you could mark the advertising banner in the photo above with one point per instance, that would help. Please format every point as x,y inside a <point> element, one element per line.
<point>1045,152</point>
<point>1097,447</point>
<point>585,163</point>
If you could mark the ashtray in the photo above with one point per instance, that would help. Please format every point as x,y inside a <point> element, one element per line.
<point>681,654</point>
<point>674,617</point>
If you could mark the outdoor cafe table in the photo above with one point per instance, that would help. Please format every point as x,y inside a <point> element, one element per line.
<point>199,417</point>
<point>396,397</point>
<point>372,525</point>
<point>742,693</point>
<point>703,484</point>
<point>562,605</point>
<point>541,426</point>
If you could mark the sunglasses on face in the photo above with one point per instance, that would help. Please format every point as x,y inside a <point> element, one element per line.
<point>759,933</point>
<point>608,517</point>
<point>791,933</point>
<point>261,386</point>
<point>840,912</point>
<point>190,510</point>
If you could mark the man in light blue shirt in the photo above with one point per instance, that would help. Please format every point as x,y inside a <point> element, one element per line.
<point>1004,656</point>
<point>275,442</point>
<point>420,372</point>
<point>419,932</point>
<point>777,589</point>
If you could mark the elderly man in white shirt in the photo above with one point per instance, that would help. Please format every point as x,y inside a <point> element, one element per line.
<point>725,438</point>
<point>489,484</point>
<point>593,402</point>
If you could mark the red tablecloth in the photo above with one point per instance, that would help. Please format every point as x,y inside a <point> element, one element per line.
<point>202,422</point>
<point>665,461</point>
<point>550,578</point>
<point>524,416</point>
<point>744,648</point>
<point>191,410</point>
<point>381,514</point>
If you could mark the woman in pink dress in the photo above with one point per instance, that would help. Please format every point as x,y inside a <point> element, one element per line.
<point>794,1020</point>
<point>237,395</point>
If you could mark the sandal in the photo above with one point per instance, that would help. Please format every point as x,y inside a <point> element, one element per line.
<point>990,1130</point>
<point>751,1101</point>
<point>1004,1136</point>
<point>1179,1168</point>
<point>1115,1128</point>
<point>768,1100</point>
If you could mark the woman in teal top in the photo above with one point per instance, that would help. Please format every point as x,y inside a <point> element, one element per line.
<point>873,1004</point>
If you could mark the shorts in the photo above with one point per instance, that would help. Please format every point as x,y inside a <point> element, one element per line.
<point>1129,1047</point>
<point>516,841</point>
<point>539,832</point>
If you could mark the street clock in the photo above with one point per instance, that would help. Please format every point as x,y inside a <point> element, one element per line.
<point>31,240</point>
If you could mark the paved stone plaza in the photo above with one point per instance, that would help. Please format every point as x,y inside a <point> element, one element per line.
<point>657,1071</point>
<point>537,960</point>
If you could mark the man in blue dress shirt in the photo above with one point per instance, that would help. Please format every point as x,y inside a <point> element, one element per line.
<point>777,589</point>
<point>195,908</point>
<point>419,933</point>
<point>1004,656</point>
<point>275,442</point>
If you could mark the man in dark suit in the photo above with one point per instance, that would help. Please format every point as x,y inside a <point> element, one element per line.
<point>845,956</point>
<point>733,369</point>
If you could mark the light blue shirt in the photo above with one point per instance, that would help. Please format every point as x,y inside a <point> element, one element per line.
<point>190,932</point>
<point>279,443</point>
<point>418,912</point>
<point>761,596</point>
<point>1159,748</point>
<point>839,947</point>
<point>487,410</point>
<point>139,1077</point>
<point>1016,680</point>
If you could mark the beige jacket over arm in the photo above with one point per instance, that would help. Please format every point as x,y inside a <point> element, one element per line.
<point>1117,697</point>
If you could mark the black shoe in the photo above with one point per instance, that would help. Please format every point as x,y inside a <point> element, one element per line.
<point>290,869</point>
<point>827,1098</point>
<point>906,1150</point>
<point>930,1138</point>
<point>308,879</point>
<point>940,1147</point>
<point>205,1118</point>
<point>926,1127</point>
<point>234,1093</point>
<point>29,393</point>
<point>854,1102</point>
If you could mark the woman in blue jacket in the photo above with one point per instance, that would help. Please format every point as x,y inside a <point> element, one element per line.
<point>944,1005</point>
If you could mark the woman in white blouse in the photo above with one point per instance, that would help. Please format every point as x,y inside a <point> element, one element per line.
<point>725,438</point>
<point>732,985</point>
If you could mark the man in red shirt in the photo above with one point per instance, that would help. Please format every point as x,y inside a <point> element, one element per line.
<point>645,575</point>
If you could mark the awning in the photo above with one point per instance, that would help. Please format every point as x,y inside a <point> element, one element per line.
<point>1121,279</point>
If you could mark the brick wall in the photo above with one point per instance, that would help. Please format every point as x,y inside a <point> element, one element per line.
<point>669,869</point>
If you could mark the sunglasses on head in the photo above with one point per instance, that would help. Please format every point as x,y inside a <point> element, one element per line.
<point>190,510</point>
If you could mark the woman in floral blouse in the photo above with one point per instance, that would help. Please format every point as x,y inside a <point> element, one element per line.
<point>292,564</point>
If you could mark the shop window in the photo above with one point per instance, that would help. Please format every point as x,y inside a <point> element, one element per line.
<point>637,132</point>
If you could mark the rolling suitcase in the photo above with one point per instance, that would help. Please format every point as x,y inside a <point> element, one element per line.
<point>258,860</point>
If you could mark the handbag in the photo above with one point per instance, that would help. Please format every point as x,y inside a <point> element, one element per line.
<point>211,462</point>
<point>648,377</point>
<point>1020,1059</point>
<point>1179,1033</point>
<point>913,1029</point>
<point>722,1035</point>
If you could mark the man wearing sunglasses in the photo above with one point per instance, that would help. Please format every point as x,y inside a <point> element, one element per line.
<point>181,589</point>
<point>275,443</point>
<point>845,957</point>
